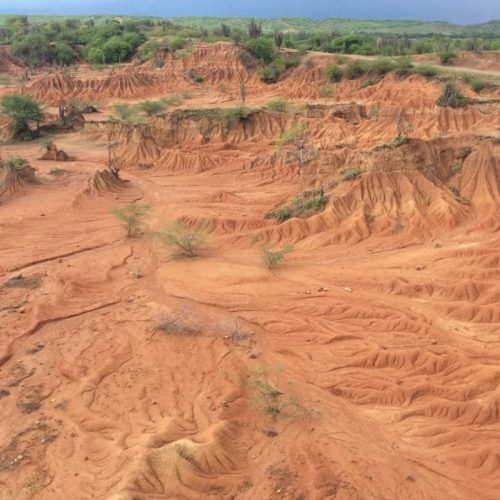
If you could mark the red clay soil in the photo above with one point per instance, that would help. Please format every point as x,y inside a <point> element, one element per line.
<point>366,366</point>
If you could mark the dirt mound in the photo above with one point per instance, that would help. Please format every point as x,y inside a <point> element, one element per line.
<point>104,182</point>
<point>15,176</point>
<point>54,87</point>
<point>54,154</point>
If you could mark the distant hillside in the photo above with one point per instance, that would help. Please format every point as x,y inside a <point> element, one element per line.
<point>343,26</point>
<point>346,26</point>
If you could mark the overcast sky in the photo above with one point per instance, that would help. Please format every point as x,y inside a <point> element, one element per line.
<point>458,11</point>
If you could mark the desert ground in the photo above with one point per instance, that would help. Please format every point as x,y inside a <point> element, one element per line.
<point>366,366</point>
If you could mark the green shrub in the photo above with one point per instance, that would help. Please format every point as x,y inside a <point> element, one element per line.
<point>132,216</point>
<point>288,61</point>
<point>355,69</point>
<point>126,113</point>
<point>306,207</point>
<point>326,90</point>
<point>456,167</point>
<point>22,109</point>
<point>447,57</point>
<point>404,67</point>
<point>271,73</point>
<point>351,174</point>
<point>367,83</point>
<point>178,43</point>
<point>273,259</point>
<point>281,215</point>
<point>333,73</point>
<point>279,105</point>
<point>427,71</point>
<point>451,96</point>
<point>186,240</point>
<point>381,67</point>
<point>478,85</point>
<point>294,135</point>
<point>261,48</point>
<point>152,107</point>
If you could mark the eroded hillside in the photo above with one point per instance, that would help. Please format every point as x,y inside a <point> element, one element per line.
<point>365,366</point>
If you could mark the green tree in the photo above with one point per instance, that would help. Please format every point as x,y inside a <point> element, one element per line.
<point>22,109</point>
<point>34,49</point>
<point>333,73</point>
<point>254,29</point>
<point>132,216</point>
<point>187,241</point>
<point>116,50</point>
<point>63,55</point>
<point>261,48</point>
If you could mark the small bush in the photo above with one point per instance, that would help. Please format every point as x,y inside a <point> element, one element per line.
<point>294,135</point>
<point>307,206</point>
<point>187,241</point>
<point>178,43</point>
<point>477,86</point>
<point>272,260</point>
<point>326,90</point>
<point>152,107</point>
<point>404,67</point>
<point>456,167</point>
<point>271,73</point>
<point>281,215</point>
<point>288,61</point>
<point>132,216</point>
<point>381,67</point>
<point>126,112</point>
<point>340,60</point>
<point>447,57</point>
<point>248,60</point>
<point>427,71</point>
<point>355,69</point>
<point>333,73</point>
<point>451,96</point>
<point>279,105</point>
<point>367,83</point>
<point>351,174</point>
<point>261,48</point>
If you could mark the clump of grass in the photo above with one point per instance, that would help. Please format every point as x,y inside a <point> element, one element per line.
<point>367,83</point>
<point>355,69</point>
<point>152,107</point>
<point>187,241</point>
<point>456,167</point>
<point>279,105</point>
<point>305,207</point>
<point>126,113</point>
<point>333,73</point>
<point>271,397</point>
<point>351,174</point>
<point>326,90</point>
<point>274,259</point>
<point>478,85</point>
<point>132,216</point>
<point>451,96</point>
<point>427,71</point>
<point>293,135</point>
<point>404,67</point>
<point>281,215</point>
